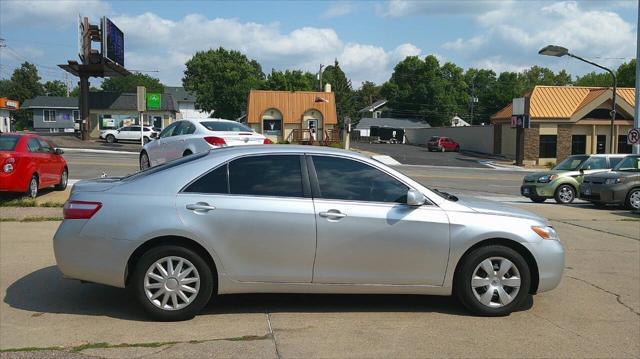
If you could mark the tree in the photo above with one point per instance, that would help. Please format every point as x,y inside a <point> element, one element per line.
<point>221,80</point>
<point>367,94</point>
<point>130,83</point>
<point>76,91</point>
<point>482,85</point>
<point>288,80</point>
<point>626,74</point>
<point>602,79</point>
<point>55,88</point>
<point>5,88</point>
<point>25,83</point>
<point>341,87</point>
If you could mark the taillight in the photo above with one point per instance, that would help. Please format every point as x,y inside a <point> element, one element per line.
<point>8,165</point>
<point>215,141</point>
<point>266,141</point>
<point>80,209</point>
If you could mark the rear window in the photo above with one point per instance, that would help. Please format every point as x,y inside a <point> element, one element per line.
<point>225,126</point>
<point>8,142</point>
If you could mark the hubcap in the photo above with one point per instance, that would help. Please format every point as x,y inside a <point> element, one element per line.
<point>172,283</point>
<point>635,199</point>
<point>64,178</point>
<point>566,194</point>
<point>495,282</point>
<point>33,187</point>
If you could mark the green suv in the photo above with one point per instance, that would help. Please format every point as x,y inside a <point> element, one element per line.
<point>563,181</point>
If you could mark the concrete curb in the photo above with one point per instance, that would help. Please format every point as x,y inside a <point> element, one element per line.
<point>90,150</point>
<point>506,167</point>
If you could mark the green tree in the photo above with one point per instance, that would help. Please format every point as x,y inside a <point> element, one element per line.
<point>601,79</point>
<point>367,94</point>
<point>221,80</point>
<point>25,83</point>
<point>130,83</point>
<point>626,74</point>
<point>290,80</point>
<point>341,87</point>
<point>55,88</point>
<point>76,91</point>
<point>5,88</point>
<point>482,86</point>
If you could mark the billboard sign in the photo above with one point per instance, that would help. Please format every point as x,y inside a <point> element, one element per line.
<point>154,101</point>
<point>112,42</point>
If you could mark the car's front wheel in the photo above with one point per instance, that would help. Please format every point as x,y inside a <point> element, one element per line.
<point>633,199</point>
<point>172,283</point>
<point>144,161</point>
<point>493,281</point>
<point>110,138</point>
<point>565,194</point>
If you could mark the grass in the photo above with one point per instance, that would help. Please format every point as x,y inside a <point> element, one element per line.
<point>29,202</point>
<point>28,349</point>
<point>32,219</point>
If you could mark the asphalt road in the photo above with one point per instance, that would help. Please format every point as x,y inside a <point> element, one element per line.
<point>595,312</point>
<point>83,165</point>
<point>415,155</point>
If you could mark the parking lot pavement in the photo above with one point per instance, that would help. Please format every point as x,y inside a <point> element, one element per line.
<point>595,312</point>
<point>83,165</point>
<point>415,155</point>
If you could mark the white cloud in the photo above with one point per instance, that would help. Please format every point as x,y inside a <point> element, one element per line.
<point>339,8</point>
<point>513,34</point>
<point>46,13</point>
<point>402,8</point>
<point>153,42</point>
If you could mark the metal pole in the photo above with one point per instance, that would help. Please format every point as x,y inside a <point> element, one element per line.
<point>320,76</point>
<point>141,129</point>
<point>613,98</point>
<point>84,107</point>
<point>636,116</point>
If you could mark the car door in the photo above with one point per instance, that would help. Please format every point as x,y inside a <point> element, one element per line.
<point>366,232</point>
<point>49,166</point>
<point>38,161</point>
<point>259,220</point>
<point>183,139</point>
<point>157,150</point>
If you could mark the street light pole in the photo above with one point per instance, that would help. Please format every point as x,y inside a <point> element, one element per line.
<point>559,51</point>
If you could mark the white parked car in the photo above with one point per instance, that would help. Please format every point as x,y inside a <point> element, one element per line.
<point>189,136</point>
<point>128,133</point>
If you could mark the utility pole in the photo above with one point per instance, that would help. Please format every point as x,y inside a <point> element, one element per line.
<point>320,76</point>
<point>636,116</point>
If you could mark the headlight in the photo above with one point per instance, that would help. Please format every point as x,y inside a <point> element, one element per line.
<point>613,180</point>
<point>546,232</point>
<point>547,178</point>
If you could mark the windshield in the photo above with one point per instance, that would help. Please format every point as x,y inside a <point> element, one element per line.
<point>571,163</point>
<point>8,142</point>
<point>433,139</point>
<point>629,164</point>
<point>225,126</point>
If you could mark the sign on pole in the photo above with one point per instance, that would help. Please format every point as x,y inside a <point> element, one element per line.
<point>633,137</point>
<point>154,101</point>
<point>141,98</point>
<point>112,42</point>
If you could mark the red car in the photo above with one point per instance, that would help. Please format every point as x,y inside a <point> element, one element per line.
<point>30,162</point>
<point>439,143</point>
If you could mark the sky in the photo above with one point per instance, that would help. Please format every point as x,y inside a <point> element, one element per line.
<point>368,38</point>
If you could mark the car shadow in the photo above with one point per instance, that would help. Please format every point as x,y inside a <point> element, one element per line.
<point>46,291</point>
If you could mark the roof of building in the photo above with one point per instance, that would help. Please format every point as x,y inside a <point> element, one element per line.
<point>562,102</point>
<point>179,93</point>
<point>292,105</point>
<point>374,106</point>
<point>104,100</point>
<point>50,102</point>
<point>366,123</point>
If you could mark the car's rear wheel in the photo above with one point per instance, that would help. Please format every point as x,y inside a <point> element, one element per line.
<point>110,138</point>
<point>457,149</point>
<point>633,199</point>
<point>442,149</point>
<point>172,283</point>
<point>565,194</point>
<point>537,199</point>
<point>32,188</point>
<point>144,161</point>
<point>64,179</point>
<point>493,281</point>
<point>146,140</point>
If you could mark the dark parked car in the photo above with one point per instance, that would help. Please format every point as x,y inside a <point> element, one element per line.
<point>439,143</point>
<point>620,186</point>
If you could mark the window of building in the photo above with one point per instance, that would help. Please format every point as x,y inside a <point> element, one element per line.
<point>548,146</point>
<point>623,146</point>
<point>49,116</point>
<point>269,175</point>
<point>601,144</point>
<point>213,182</point>
<point>578,144</point>
<point>345,179</point>
<point>76,115</point>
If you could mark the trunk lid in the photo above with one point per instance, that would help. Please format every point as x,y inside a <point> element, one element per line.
<point>242,138</point>
<point>96,184</point>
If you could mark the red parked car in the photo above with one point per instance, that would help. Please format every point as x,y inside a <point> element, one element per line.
<point>29,163</point>
<point>439,143</point>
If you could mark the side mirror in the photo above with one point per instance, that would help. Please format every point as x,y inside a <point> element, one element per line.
<point>582,171</point>
<point>415,198</point>
<point>58,151</point>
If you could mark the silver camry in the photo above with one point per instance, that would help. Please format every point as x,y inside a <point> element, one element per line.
<point>298,219</point>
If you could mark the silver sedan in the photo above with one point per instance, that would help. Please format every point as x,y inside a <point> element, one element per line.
<point>298,219</point>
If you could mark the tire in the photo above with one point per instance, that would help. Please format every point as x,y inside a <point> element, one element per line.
<point>633,199</point>
<point>175,308</point>
<point>111,139</point>
<point>144,161</point>
<point>472,297</point>
<point>146,140</point>
<point>457,149</point>
<point>565,194</point>
<point>187,153</point>
<point>537,199</point>
<point>32,187</point>
<point>442,149</point>
<point>64,179</point>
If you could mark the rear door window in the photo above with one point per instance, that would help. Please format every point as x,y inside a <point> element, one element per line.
<point>214,182</point>
<point>168,131</point>
<point>268,175</point>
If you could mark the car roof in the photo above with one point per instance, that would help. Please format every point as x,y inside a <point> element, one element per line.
<point>275,149</point>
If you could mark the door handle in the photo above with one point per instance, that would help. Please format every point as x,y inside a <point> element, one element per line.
<point>332,213</point>
<point>200,206</point>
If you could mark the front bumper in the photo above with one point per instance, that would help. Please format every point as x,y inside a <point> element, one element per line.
<point>602,193</point>
<point>549,255</point>
<point>534,189</point>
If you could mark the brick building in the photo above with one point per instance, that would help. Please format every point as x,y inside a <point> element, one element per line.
<point>567,120</point>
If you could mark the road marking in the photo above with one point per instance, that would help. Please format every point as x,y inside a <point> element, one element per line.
<point>89,150</point>
<point>387,160</point>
